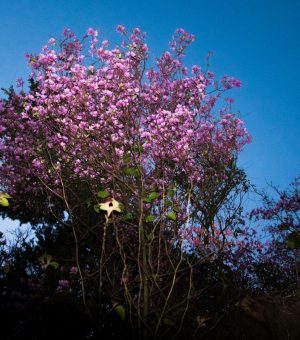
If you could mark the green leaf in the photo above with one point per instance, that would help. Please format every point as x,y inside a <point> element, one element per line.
<point>4,202</point>
<point>54,264</point>
<point>127,217</point>
<point>4,199</point>
<point>149,219</point>
<point>103,194</point>
<point>168,204</point>
<point>168,322</point>
<point>133,171</point>
<point>150,237</point>
<point>127,158</point>
<point>153,195</point>
<point>120,310</point>
<point>4,194</point>
<point>171,193</point>
<point>171,216</point>
<point>97,208</point>
<point>293,240</point>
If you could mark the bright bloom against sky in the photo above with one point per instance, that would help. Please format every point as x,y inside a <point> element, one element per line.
<point>254,41</point>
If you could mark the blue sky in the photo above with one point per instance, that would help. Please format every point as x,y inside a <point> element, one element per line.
<point>256,41</point>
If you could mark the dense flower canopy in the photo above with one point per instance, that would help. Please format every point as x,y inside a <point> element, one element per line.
<point>103,114</point>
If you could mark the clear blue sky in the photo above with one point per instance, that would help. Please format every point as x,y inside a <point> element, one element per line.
<point>256,41</point>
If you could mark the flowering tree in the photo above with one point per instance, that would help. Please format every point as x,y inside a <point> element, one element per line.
<point>134,160</point>
<point>279,256</point>
<point>283,215</point>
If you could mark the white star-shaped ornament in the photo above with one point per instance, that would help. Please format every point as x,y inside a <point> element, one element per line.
<point>110,206</point>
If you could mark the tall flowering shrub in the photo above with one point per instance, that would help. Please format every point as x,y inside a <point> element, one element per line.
<point>131,155</point>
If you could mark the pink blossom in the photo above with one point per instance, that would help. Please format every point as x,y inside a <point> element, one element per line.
<point>195,69</point>
<point>121,29</point>
<point>73,270</point>
<point>20,82</point>
<point>92,32</point>
<point>52,41</point>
